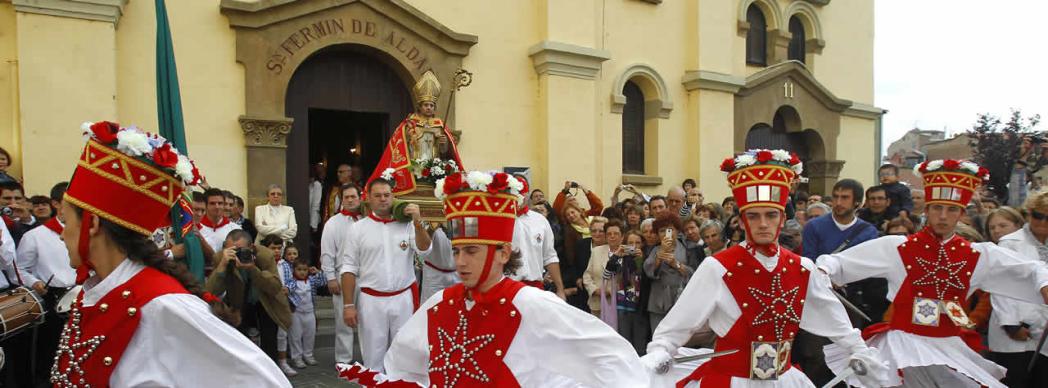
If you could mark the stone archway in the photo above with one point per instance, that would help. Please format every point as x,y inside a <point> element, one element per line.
<point>274,37</point>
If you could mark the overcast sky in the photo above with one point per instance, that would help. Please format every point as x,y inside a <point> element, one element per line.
<point>938,63</point>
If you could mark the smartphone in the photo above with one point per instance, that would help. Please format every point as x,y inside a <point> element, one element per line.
<point>669,233</point>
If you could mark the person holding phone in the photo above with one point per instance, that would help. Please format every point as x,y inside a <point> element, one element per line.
<point>666,266</point>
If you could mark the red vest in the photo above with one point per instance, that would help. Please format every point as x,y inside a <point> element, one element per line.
<point>771,304</point>
<point>96,337</point>
<point>936,284</point>
<point>466,347</point>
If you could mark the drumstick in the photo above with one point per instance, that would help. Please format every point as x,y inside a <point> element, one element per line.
<point>48,284</point>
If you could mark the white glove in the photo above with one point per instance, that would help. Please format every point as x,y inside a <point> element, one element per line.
<point>878,371</point>
<point>656,359</point>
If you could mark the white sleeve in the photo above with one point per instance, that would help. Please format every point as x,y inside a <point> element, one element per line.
<point>408,355</point>
<point>315,190</point>
<point>877,258</point>
<point>349,257</point>
<point>1007,310</point>
<point>7,247</point>
<point>263,224</point>
<point>702,292</point>
<point>179,342</point>
<point>330,264</point>
<point>549,253</point>
<point>575,344</point>
<point>423,254</point>
<point>292,225</point>
<point>824,315</point>
<point>28,256</point>
<point>1006,272</point>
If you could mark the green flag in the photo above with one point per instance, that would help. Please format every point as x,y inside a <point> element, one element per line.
<point>169,117</point>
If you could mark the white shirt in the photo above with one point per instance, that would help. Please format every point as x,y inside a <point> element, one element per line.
<point>999,270</point>
<point>707,299</point>
<point>332,242</point>
<point>304,290</point>
<point>41,254</point>
<point>278,220</point>
<point>215,237</point>
<point>7,255</point>
<point>179,342</point>
<point>382,255</point>
<point>555,345</point>
<point>440,256</point>
<point>843,227</point>
<point>533,236</point>
<point>1008,311</point>
<point>316,193</point>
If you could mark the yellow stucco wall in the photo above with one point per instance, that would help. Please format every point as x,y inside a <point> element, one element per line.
<point>8,88</point>
<point>564,128</point>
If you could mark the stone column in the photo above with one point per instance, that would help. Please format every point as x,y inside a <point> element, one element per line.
<point>66,75</point>
<point>266,142</point>
<point>822,175</point>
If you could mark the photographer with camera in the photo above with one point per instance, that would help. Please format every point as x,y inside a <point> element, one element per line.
<point>15,210</point>
<point>567,196</point>
<point>246,274</point>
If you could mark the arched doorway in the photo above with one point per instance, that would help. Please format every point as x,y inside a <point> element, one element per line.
<point>787,133</point>
<point>345,101</point>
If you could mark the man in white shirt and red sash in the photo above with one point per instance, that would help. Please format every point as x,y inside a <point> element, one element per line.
<point>490,330</point>
<point>756,295</point>
<point>379,257</point>
<point>930,275</point>
<point>214,226</point>
<point>533,237</point>
<point>141,319</point>
<point>332,243</point>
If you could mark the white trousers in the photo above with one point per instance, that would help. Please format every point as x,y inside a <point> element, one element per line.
<point>380,318</point>
<point>343,334</point>
<point>281,339</point>
<point>303,333</point>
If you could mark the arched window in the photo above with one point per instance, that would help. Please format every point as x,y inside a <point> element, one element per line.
<point>756,37</point>
<point>797,50</point>
<point>633,129</point>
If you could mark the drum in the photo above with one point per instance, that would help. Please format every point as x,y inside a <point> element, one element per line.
<point>20,309</point>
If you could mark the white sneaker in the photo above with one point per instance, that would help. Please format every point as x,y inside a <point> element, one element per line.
<point>297,363</point>
<point>310,360</point>
<point>287,369</point>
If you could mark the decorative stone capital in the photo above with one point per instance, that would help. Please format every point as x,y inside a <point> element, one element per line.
<point>567,60</point>
<point>263,132</point>
<point>824,168</point>
<point>100,10</point>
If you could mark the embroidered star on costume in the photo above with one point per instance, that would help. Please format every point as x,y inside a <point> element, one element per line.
<point>941,274</point>
<point>68,344</point>
<point>457,342</point>
<point>765,362</point>
<point>926,310</point>
<point>776,298</point>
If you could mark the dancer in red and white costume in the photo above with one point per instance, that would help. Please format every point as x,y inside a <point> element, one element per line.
<point>930,275</point>
<point>140,319</point>
<point>492,331</point>
<point>755,296</point>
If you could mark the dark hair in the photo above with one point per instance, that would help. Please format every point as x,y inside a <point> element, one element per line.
<point>213,192</point>
<point>12,186</point>
<point>801,196</point>
<point>657,197</point>
<point>58,191</point>
<point>612,213</point>
<point>39,199</point>
<point>903,222</point>
<point>687,181</point>
<point>229,195</point>
<point>615,223</point>
<point>889,166</point>
<point>142,249</point>
<point>664,221</point>
<point>301,260</point>
<point>268,240</point>
<point>874,189</point>
<point>8,155</point>
<point>199,197</point>
<point>850,184</point>
<point>342,189</point>
<point>238,235</point>
<point>380,181</point>
<point>693,219</point>
<point>514,263</point>
<point>239,201</point>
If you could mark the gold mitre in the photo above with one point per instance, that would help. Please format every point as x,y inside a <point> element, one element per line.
<point>427,88</point>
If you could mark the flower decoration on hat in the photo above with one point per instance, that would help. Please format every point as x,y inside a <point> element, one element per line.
<point>128,177</point>
<point>950,181</point>
<point>480,206</point>
<point>761,177</point>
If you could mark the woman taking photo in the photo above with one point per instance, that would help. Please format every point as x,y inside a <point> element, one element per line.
<point>667,266</point>
<point>141,319</point>
<point>625,271</point>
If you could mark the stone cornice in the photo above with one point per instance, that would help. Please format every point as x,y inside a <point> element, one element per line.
<point>100,10</point>
<point>265,132</point>
<point>567,60</point>
<point>864,111</point>
<point>711,80</point>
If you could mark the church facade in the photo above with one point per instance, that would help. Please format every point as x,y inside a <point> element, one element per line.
<point>602,92</point>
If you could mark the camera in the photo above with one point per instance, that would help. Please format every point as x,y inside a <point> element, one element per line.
<point>7,211</point>
<point>574,185</point>
<point>630,250</point>
<point>245,255</point>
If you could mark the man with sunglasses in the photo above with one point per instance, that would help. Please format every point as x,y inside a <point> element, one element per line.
<point>930,275</point>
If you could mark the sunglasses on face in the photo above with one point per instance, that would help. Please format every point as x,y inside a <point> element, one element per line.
<point>1038,215</point>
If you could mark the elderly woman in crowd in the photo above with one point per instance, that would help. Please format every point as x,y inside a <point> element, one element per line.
<point>1001,222</point>
<point>596,287</point>
<point>1015,325</point>
<point>712,233</point>
<point>573,274</point>
<point>817,209</point>
<point>693,244</point>
<point>274,218</point>
<point>667,266</point>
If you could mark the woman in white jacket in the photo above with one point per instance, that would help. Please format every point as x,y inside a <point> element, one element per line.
<point>274,218</point>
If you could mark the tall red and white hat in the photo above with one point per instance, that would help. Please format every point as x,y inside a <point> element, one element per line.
<point>761,177</point>
<point>950,181</point>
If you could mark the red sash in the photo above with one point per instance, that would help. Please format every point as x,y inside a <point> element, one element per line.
<point>755,289</point>
<point>385,294</point>
<point>109,325</point>
<point>431,265</point>
<point>476,339</point>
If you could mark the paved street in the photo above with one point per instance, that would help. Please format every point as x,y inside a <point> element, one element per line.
<point>322,375</point>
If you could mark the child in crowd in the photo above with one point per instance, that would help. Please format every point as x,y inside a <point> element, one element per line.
<point>301,289</point>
